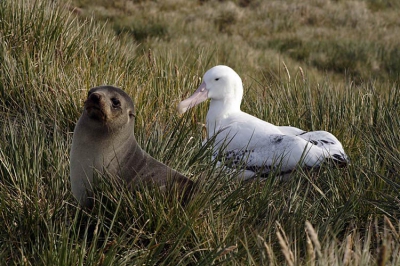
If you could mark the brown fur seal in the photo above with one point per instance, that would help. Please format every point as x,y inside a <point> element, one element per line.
<point>104,141</point>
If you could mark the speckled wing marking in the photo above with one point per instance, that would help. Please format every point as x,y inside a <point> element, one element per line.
<point>326,140</point>
<point>242,160</point>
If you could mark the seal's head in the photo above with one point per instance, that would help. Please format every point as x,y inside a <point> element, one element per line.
<point>107,104</point>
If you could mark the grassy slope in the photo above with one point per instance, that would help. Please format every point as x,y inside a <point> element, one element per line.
<point>356,37</point>
<point>50,58</point>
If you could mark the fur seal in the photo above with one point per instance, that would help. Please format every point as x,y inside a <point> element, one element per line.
<point>104,141</point>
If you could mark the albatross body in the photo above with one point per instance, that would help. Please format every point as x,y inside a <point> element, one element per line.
<point>254,146</point>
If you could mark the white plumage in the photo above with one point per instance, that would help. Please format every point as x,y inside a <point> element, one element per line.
<point>251,144</point>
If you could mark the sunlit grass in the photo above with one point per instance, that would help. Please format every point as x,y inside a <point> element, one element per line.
<point>50,58</point>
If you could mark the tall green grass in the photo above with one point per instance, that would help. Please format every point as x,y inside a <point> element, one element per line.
<point>50,58</point>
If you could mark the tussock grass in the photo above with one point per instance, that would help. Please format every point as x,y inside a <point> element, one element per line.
<point>50,57</point>
<point>356,38</point>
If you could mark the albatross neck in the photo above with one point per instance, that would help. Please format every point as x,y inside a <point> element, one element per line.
<point>221,109</point>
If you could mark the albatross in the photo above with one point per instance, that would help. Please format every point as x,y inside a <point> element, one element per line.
<point>250,145</point>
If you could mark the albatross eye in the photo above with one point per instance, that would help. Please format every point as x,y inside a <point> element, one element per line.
<point>115,102</point>
<point>216,79</point>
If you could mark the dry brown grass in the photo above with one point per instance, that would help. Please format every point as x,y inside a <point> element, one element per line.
<point>353,38</point>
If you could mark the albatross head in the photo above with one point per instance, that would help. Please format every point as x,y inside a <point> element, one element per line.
<point>220,83</point>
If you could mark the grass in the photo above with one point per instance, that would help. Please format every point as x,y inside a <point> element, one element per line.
<point>51,55</point>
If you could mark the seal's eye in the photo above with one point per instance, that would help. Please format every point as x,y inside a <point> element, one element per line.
<point>115,102</point>
<point>216,79</point>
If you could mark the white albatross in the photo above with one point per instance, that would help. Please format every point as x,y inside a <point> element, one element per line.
<point>251,145</point>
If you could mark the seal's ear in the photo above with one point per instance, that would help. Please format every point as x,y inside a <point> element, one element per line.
<point>131,114</point>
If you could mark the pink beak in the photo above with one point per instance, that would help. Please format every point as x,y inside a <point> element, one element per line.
<point>200,95</point>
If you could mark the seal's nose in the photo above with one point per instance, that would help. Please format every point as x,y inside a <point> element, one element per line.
<point>94,97</point>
